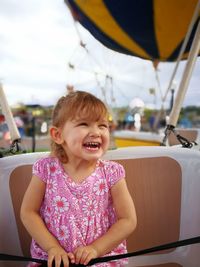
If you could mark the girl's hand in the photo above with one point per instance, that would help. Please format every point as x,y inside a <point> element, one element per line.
<point>58,254</point>
<point>84,254</point>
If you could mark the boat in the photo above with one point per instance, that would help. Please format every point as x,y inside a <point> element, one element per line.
<point>166,202</point>
<point>126,138</point>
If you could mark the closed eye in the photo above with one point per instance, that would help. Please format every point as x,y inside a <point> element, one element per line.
<point>82,124</point>
<point>103,126</point>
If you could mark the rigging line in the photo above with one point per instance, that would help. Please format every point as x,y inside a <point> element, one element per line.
<point>90,57</point>
<point>73,53</point>
<point>112,95</point>
<point>122,94</point>
<point>93,59</point>
<point>179,243</point>
<point>130,83</point>
<point>81,59</point>
<point>109,86</point>
<point>89,71</point>
<point>83,45</point>
<point>159,85</point>
<point>78,34</point>
<point>101,87</point>
<point>76,28</point>
<point>106,87</point>
<point>194,18</point>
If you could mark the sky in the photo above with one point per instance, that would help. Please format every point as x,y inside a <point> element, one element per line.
<point>39,41</point>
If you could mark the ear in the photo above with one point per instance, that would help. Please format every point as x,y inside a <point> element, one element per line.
<point>56,135</point>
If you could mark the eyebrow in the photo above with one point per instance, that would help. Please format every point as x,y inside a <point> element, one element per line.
<point>88,119</point>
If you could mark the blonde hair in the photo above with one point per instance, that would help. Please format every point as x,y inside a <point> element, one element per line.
<point>78,104</point>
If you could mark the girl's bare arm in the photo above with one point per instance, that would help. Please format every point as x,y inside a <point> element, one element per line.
<point>35,226</point>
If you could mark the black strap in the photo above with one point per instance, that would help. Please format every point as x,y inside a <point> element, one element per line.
<point>14,149</point>
<point>182,140</point>
<point>7,257</point>
<point>180,243</point>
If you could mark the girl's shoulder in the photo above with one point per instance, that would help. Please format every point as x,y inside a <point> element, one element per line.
<point>46,160</point>
<point>110,164</point>
<point>45,165</point>
<point>113,170</point>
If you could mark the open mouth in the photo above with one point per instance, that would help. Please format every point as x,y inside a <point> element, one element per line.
<point>92,145</point>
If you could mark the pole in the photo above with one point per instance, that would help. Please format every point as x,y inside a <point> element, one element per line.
<point>14,133</point>
<point>186,78</point>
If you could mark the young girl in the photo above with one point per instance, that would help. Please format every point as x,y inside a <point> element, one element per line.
<point>77,206</point>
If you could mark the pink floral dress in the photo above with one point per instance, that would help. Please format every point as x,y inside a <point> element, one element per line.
<point>77,213</point>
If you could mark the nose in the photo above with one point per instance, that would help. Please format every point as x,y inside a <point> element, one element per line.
<point>94,131</point>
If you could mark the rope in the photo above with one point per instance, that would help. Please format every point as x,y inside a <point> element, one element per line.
<point>180,243</point>
<point>182,140</point>
<point>14,149</point>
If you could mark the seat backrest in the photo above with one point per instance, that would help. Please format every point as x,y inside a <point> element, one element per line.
<point>11,193</point>
<point>155,185</point>
<point>19,180</point>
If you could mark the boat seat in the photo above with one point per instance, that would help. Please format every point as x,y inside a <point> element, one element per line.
<point>157,206</point>
<point>156,182</point>
<point>149,187</point>
<point>19,180</point>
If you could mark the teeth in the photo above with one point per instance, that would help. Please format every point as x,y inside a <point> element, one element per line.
<point>92,144</point>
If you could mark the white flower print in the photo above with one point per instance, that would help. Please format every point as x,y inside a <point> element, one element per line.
<point>88,221</point>
<point>63,232</point>
<point>51,186</point>
<point>56,218</point>
<point>72,219</point>
<point>77,242</point>
<point>81,197</point>
<point>90,207</point>
<point>54,169</point>
<point>74,224</point>
<point>48,222</point>
<point>60,203</point>
<point>46,210</point>
<point>100,187</point>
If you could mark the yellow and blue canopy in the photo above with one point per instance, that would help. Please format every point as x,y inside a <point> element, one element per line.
<point>150,29</point>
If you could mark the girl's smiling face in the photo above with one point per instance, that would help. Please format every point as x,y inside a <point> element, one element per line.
<point>86,139</point>
<point>79,127</point>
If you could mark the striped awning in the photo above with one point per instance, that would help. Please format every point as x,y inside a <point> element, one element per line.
<point>150,29</point>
